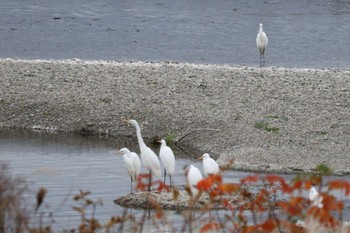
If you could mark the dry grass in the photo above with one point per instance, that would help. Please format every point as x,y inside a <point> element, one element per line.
<point>13,217</point>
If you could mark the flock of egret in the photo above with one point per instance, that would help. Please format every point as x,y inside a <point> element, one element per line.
<point>166,157</point>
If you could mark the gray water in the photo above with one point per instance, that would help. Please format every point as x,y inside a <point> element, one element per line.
<point>66,163</point>
<point>302,33</point>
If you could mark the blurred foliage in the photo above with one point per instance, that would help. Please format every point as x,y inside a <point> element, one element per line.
<point>256,209</point>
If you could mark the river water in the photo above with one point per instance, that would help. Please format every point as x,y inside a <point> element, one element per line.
<point>302,33</point>
<point>67,163</point>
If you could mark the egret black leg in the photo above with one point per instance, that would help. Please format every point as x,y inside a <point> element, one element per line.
<point>150,180</point>
<point>164,175</point>
<point>260,59</point>
<point>263,60</point>
<point>131,185</point>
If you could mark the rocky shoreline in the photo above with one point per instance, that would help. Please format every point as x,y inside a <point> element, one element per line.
<point>265,119</point>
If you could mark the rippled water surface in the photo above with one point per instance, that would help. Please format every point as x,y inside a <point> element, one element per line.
<point>66,163</point>
<point>302,33</point>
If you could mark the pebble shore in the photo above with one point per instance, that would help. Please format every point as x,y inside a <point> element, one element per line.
<point>264,119</point>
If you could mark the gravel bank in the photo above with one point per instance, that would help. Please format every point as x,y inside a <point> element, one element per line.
<point>179,200</point>
<point>270,119</point>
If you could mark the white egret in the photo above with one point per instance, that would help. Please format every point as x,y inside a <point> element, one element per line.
<point>315,198</point>
<point>210,166</point>
<point>193,177</point>
<point>133,164</point>
<point>261,43</point>
<point>167,158</point>
<point>149,159</point>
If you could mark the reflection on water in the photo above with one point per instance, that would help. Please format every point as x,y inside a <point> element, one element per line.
<point>66,163</point>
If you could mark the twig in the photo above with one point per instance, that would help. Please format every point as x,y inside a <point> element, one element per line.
<point>195,130</point>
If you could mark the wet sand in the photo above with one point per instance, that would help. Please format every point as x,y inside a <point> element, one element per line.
<point>265,119</point>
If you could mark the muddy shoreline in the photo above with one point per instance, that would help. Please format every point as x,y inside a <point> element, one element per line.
<point>269,119</point>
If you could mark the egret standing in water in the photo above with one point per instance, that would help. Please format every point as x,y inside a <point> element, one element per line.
<point>261,43</point>
<point>167,158</point>
<point>149,159</point>
<point>193,177</point>
<point>210,166</point>
<point>133,164</point>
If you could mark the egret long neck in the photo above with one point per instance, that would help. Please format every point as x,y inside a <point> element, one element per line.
<point>162,145</point>
<point>139,137</point>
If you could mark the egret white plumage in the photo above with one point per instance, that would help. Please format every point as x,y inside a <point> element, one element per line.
<point>149,159</point>
<point>210,166</point>
<point>133,164</point>
<point>193,177</point>
<point>167,158</point>
<point>261,43</point>
<point>315,198</point>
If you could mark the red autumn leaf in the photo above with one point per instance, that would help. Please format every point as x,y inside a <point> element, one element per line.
<point>159,215</point>
<point>249,229</point>
<point>294,210</point>
<point>141,186</point>
<point>297,184</point>
<point>274,179</point>
<point>250,179</point>
<point>261,198</point>
<point>296,200</point>
<point>227,204</point>
<point>143,176</point>
<point>340,184</point>
<point>229,188</point>
<point>289,209</point>
<point>205,184</point>
<point>340,207</point>
<point>216,178</point>
<point>294,228</point>
<point>162,186</point>
<point>315,179</point>
<point>268,226</point>
<point>308,184</point>
<point>213,193</point>
<point>211,226</point>
<point>282,204</point>
<point>286,188</point>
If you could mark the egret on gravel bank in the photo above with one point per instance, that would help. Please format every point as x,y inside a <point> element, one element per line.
<point>193,177</point>
<point>261,43</point>
<point>167,158</point>
<point>133,164</point>
<point>149,159</point>
<point>210,166</point>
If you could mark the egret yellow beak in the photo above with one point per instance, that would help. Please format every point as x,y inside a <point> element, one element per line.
<point>118,153</point>
<point>200,158</point>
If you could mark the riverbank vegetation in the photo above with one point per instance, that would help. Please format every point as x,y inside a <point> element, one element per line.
<point>256,209</point>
